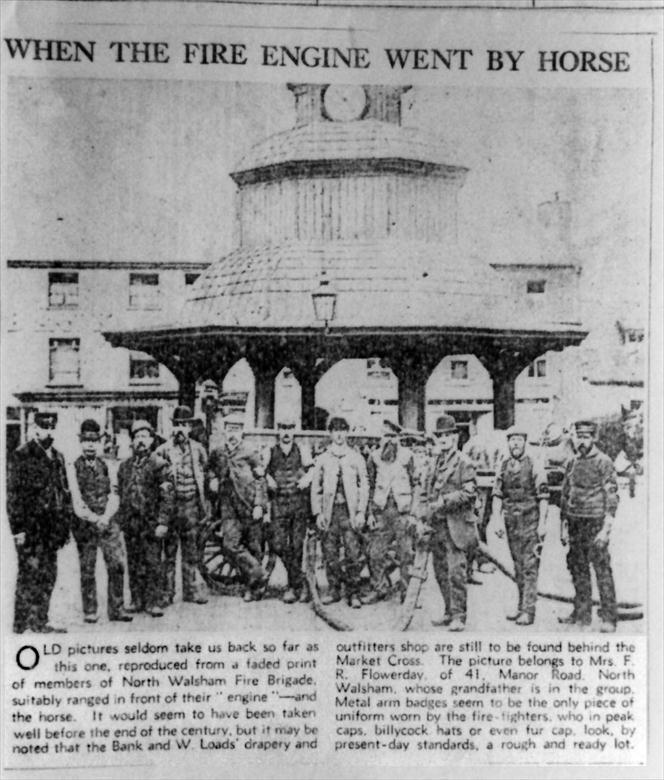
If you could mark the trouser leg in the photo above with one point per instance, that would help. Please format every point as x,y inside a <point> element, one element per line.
<point>27,593</point>
<point>600,559</point>
<point>188,521</point>
<point>45,576</point>
<point>87,558</point>
<point>331,546</point>
<point>170,549</point>
<point>530,569</point>
<point>110,541</point>
<point>378,546</point>
<point>352,552</point>
<point>579,568</point>
<point>440,566</point>
<point>135,568</point>
<point>234,545</point>
<point>456,573</point>
<point>514,542</point>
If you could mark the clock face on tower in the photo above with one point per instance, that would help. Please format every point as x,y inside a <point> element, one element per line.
<point>344,102</point>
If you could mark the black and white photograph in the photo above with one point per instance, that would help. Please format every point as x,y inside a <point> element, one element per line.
<point>344,374</point>
<point>302,317</point>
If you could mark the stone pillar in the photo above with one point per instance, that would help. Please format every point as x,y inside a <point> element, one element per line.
<point>503,400</point>
<point>187,390</point>
<point>264,382</point>
<point>308,381</point>
<point>412,400</point>
<point>413,372</point>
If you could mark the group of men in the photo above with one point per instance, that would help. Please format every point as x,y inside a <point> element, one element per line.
<point>364,509</point>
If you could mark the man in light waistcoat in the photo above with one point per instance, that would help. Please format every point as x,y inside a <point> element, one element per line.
<point>391,471</point>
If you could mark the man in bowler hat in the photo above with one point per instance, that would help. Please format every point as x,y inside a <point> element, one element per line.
<point>448,507</point>
<point>181,463</point>
<point>588,505</point>
<point>288,475</point>
<point>39,509</point>
<point>95,526</point>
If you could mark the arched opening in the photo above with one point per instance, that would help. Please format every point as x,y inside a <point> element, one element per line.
<point>461,386</point>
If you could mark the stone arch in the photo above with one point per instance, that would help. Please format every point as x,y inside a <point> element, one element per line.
<point>460,385</point>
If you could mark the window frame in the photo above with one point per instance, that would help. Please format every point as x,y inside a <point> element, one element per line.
<point>57,379</point>
<point>67,303</point>
<point>137,301</point>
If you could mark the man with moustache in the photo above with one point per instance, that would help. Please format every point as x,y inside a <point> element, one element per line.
<point>448,507</point>
<point>39,508</point>
<point>138,489</point>
<point>588,505</point>
<point>288,475</point>
<point>521,493</point>
<point>182,466</point>
<point>95,526</point>
<point>237,484</point>
<point>339,496</point>
<point>392,480</point>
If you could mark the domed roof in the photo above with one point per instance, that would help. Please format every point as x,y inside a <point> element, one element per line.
<point>384,284</point>
<point>368,139</point>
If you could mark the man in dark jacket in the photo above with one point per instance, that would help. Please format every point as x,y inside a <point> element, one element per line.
<point>138,489</point>
<point>588,505</point>
<point>39,509</point>
<point>288,474</point>
<point>237,484</point>
<point>448,507</point>
<point>94,526</point>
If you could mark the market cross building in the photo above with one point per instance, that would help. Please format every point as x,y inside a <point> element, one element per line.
<point>348,248</point>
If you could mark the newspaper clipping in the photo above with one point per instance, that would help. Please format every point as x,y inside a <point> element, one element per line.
<point>331,364</point>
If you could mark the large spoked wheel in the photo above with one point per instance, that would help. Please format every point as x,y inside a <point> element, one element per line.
<point>217,570</point>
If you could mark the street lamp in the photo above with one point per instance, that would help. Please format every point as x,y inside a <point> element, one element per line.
<point>325,301</point>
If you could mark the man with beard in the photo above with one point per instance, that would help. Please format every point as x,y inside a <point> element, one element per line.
<point>182,465</point>
<point>589,501</point>
<point>95,526</point>
<point>237,482</point>
<point>391,471</point>
<point>138,489</point>
<point>39,509</point>
<point>521,492</point>
<point>288,474</point>
<point>339,496</point>
<point>448,505</point>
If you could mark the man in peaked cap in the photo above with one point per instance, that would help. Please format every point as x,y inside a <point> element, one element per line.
<point>39,510</point>
<point>138,489</point>
<point>237,485</point>
<point>520,493</point>
<point>95,525</point>
<point>448,507</point>
<point>392,480</point>
<point>339,497</point>
<point>588,505</point>
<point>182,466</point>
<point>288,475</point>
